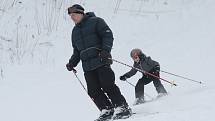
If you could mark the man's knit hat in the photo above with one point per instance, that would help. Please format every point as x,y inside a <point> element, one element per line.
<point>76,8</point>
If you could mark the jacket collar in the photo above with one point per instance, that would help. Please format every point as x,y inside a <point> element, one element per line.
<point>86,16</point>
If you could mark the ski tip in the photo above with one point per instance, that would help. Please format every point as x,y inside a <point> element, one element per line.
<point>173,83</point>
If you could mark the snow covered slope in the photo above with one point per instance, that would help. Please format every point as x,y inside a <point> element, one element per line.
<point>35,46</point>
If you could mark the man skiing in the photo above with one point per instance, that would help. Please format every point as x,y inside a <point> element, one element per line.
<point>92,41</point>
<point>141,61</point>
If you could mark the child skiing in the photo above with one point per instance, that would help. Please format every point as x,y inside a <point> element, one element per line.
<point>141,61</point>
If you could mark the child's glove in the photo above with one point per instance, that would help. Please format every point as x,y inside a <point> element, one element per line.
<point>123,78</point>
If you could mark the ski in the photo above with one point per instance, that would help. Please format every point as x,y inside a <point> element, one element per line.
<point>146,113</point>
<point>151,100</point>
<point>133,115</point>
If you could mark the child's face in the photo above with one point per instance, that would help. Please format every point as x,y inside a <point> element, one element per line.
<point>136,58</point>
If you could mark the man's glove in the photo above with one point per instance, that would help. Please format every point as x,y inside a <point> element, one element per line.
<point>105,57</point>
<point>70,67</point>
<point>123,78</point>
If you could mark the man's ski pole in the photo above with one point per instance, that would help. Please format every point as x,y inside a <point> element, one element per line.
<point>142,71</point>
<point>74,71</point>
<point>182,77</point>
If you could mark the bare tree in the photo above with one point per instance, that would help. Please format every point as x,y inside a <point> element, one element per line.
<point>47,15</point>
<point>118,2</point>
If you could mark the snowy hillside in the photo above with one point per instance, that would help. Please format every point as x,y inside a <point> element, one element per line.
<point>35,45</point>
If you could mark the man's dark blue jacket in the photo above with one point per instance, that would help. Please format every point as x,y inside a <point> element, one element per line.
<point>89,38</point>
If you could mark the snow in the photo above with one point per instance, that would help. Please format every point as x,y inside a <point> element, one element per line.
<point>35,46</point>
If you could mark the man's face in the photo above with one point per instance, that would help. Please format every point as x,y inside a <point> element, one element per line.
<point>76,17</point>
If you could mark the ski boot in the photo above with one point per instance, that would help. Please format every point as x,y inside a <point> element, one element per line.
<point>138,101</point>
<point>122,112</point>
<point>105,115</point>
